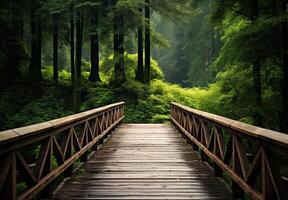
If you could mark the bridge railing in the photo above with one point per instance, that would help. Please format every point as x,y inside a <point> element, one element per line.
<point>254,158</point>
<point>32,157</point>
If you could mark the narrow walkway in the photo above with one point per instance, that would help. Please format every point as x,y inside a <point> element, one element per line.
<point>144,162</point>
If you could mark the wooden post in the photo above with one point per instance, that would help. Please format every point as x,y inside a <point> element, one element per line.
<point>69,171</point>
<point>47,191</point>
<point>8,190</point>
<point>237,191</point>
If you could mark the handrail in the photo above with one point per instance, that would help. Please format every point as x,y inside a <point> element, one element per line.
<point>58,144</point>
<point>244,152</point>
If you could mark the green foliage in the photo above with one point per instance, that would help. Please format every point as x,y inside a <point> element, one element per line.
<point>43,109</point>
<point>194,45</point>
<point>97,97</point>
<point>106,67</point>
<point>20,105</point>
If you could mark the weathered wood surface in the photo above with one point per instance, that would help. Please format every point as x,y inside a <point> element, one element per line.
<point>255,158</point>
<point>61,142</point>
<point>144,162</point>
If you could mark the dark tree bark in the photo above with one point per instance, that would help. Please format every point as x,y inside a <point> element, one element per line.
<point>258,93</point>
<point>39,46</point>
<point>94,73</point>
<point>119,67</point>
<point>140,67</point>
<point>284,110</point>
<point>257,74</point>
<point>79,36</point>
<point>35,65</point>
<point>72,46</point>
<point>79,40</point>
<point>55,48</point>
<point>147,42</point>
<point>14,46</point>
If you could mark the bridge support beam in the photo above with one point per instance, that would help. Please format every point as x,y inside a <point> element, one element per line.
<point>9,182</point>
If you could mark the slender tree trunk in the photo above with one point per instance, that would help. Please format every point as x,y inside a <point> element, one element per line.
<point>33,38</point>
<point>119,68</point>
<point>72,47</point>
<point>35,65</point>
<point>94,73</point>
<point>257,74</point>
<point>147,42</point>
<point>72,57</point>
<point>121,48</point>
<point>284,110</point>
<point>79,38</point>
<point>55,48</point>
<point>258,93</point>
<point>22,25</point>
<point>140,67</point>
<point>14,41</point>
<point>39,45</point>
<point>116,46</point>
<point>79,32</point>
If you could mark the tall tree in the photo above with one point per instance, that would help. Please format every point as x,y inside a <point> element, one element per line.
<point>118,28</point>
<point>147,42</point>
<point>14,40</point>
<point>257,73</point>
<point>55,47</point>
<point>72,44</point>
<point>284,110</point>
<point>78,57</point>
<point>36,34</point>
<point>140,66</point>
<point>79,41</point>
<point>94,41</point>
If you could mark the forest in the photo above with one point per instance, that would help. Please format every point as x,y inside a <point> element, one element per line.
<point>227,57</point>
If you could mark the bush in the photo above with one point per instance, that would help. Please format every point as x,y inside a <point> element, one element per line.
<point>107,67</point>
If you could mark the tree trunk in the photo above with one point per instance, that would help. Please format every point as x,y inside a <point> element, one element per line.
<point>72,47</point>
<point>121,48</point>
<point>257,74</point>
<point>140,67</point>
<point>35,65</point>
<point>94,73</point>
<point>258,93</point>
<point>116,46</point>
<point>14,41</point>
<point>147,42</point>
<point>284,110</point>
<point>79,36</point>
<point>119,68</point>
<point>55,48</point>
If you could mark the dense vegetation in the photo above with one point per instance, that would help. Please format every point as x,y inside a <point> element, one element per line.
<point>228,57</point>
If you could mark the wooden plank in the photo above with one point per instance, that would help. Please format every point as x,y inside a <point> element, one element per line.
<point>51,176</point>
<point>274,139</point>
<point>6,135</point>
<point>142,161</point>
<point>237,179</point>
<point>36,129</point>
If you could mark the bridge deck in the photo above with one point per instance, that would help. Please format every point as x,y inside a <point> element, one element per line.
<point>144,162</point>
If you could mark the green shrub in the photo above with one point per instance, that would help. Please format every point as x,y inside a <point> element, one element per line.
<point>107,67</point>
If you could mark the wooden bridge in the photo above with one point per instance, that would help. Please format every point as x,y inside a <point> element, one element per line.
<point>92,155</point>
